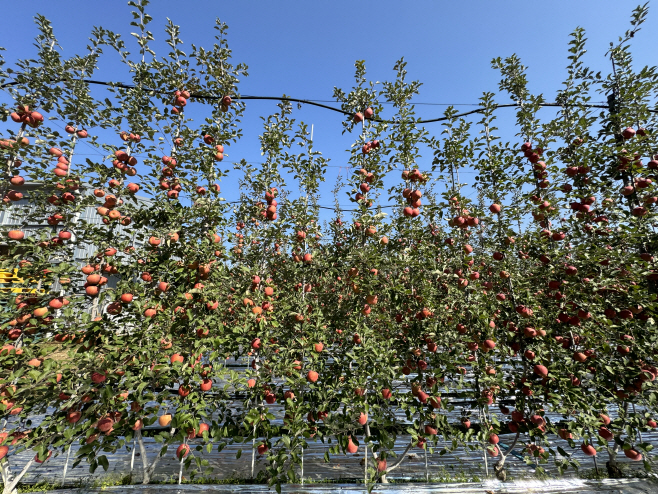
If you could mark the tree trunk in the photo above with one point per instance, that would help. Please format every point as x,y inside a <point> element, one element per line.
<point>9,483</point>
<point>382,478</point>
<point>614,472</point>
<point>499,466</point>
<point>146,478</point>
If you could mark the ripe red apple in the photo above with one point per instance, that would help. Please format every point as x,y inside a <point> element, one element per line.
<point>430,431</point>
<point>435,401</point>
<point>588,449</point>
<point>633,454</point>
<point>40,312</point>
<point>606,434</point>
<point>105,424</point>
<point>628,133</point>
<point>270,398</point>
<point>565,434</point>
<point>98,377</point>
<point>182,451</point>
<point>312,376</point>
<point>203,427</point>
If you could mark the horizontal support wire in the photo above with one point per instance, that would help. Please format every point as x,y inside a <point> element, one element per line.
<point>313,103</point>
<point>308,102</point>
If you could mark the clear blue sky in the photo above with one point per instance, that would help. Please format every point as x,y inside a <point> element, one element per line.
<point>304,48</point>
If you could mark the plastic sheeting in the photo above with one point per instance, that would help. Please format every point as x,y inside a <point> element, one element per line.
<point>609,486</point>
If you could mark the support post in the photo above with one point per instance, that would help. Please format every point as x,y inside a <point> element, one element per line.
<point>66,465</point>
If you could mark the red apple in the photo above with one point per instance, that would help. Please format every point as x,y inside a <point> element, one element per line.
<point>588,449</point>
<point>182,451</point>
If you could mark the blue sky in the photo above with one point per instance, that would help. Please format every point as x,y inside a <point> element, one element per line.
<point>304,48</point>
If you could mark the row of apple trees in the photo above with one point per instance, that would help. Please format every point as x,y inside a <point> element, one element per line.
<point>521,303</point>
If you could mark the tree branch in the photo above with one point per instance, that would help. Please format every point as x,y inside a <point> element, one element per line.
<point>509,451</point>
<point>397,463</point>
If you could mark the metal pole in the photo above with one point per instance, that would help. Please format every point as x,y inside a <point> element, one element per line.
<point>427,473</point>
<point>484,450</point>
<point>66,465</point>
<point>365,466</point>
<point>639,432</point>
<point>132,460</point>
<point>253,452</point>
<point>596,464</point>
<point>180,471</point>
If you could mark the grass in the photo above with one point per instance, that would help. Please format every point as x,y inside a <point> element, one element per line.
<point>57,351</point>
<point>40,487</point>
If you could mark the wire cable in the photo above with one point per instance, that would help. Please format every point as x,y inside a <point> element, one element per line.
<point>313,103</point>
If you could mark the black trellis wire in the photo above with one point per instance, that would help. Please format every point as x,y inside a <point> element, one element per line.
<point>308,102</point>
<point>313,103</point>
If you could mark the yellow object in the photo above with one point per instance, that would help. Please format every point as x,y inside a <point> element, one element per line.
<point>9,278</point>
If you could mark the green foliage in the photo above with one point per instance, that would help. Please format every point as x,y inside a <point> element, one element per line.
<point>538,294</point>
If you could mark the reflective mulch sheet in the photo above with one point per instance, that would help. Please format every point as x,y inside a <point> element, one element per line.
<point>609,486</point>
